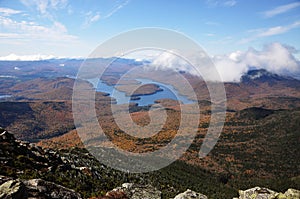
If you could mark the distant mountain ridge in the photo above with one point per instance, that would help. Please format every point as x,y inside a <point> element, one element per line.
<point>262,75</point>
<point>261,88</point>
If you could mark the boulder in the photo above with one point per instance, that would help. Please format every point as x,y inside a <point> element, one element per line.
<point>189,194</point>
<point>13,189</point>
<point>289,194</point>
<point>258,193</point>
<point>38,188</point>
<point>135,191</point>
<point>265,193</point>
<point>292,193</point>
<point>35,189</point>
<point>6,136</point>
<point>4,179</point>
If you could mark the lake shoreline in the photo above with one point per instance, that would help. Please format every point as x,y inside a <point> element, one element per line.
<point>147,94</point>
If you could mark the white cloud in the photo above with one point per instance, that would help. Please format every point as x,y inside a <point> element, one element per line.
<point>59,27</point>
<point>30,31</point>
<point>279,29</point>
<point>281,9</point>
<point>42,6</point>
<point>227,3</point>
<point>45,7</point>
<point>210,34</point>
<point>116,8</point>
<point>172,60</point>
<point>95,18</point>
<point>212,23</point>
<point>10,35</point>
<point>230,3</point>
<point>266,32</point>
<point>33,57</point>
<point>90,18</point>
<point>169,60</point>
<point>58,4</point>
<point>13,57</point>
<point>229,70</point>
<point>26,30</point>
<point>274,57</point>
<point>8,11</point>
<point>235,55</point>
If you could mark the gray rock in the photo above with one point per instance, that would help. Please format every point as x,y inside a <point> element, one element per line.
<point>127,185</point>
<point>4,179</point>
<point>35,189</point>
<point>289,194</point>
<point>6,136</point>
<point>13,189</point>
<point>258,193</point>
<point>265,193</point>
<point>38,188</point>
<point>292,193</point>
<point>135,191</point>
<point>189,194</point>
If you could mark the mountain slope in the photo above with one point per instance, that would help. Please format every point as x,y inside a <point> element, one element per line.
<point>261,88</point>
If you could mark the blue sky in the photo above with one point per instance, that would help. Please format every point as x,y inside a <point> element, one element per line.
<point>74,28</point>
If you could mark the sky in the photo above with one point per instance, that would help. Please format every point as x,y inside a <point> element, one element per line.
<point>74,28</point>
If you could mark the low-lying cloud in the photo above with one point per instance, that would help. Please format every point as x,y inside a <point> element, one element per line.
<point>275,57</point>
<point>14,57</point>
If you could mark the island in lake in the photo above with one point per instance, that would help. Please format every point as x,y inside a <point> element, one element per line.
<point>146,89</point>
<point>136,90</point>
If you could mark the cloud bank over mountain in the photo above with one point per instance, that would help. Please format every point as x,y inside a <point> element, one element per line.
<point>37,57</point>
<point>33,57</point>
<point>275,57</point>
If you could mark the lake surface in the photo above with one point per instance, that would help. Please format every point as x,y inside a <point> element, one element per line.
<point>4,96</point>
<point>168,92</point>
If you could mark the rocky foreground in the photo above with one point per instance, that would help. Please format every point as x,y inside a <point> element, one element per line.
<point>39,189</point>
<point>21,162</point>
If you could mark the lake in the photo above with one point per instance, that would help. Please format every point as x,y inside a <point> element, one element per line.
<point>4,96</point>
<point>168,92</point>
